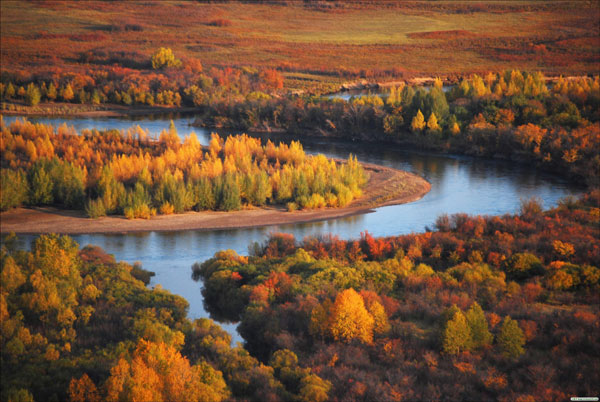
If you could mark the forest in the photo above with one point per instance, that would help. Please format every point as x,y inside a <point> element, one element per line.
<point>473,307</point>
<point>79,326</point>
<point>481,308</point>
<point>512,115</point>
<point>477,308</point>
<point>110,172</point>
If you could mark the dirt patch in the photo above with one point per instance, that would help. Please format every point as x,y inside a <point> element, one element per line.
<point>386,186</point>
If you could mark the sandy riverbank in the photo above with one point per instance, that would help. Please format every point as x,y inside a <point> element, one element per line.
<point>386,186</point>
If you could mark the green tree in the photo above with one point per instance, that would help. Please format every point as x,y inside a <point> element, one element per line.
<point>229,193</point>
<point>203,195</point>
<point>480,333</point>
<point>511,338</point>
<point>33,95</point>
<point>456,336</point>
<point>13,189</point>
<point>40,185</point>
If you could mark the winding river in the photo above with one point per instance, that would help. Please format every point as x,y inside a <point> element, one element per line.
<point>458,184</point>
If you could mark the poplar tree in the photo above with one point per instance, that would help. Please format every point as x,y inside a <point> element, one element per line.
<point>418,122</point>
<point>511,338</point>
<point>456,336</point>
<point>480,333</point>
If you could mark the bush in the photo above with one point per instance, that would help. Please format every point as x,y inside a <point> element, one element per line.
<point>95,208</point>
<point>164,58</point>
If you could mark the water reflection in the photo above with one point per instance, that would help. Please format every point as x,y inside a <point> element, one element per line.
<point>459,184</point>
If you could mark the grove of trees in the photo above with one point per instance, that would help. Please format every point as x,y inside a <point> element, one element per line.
<point>481,308</point>
<point>78,326</point>
<point>131,174</point>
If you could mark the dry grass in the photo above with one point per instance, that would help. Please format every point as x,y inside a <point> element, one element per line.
<point>392,38</point>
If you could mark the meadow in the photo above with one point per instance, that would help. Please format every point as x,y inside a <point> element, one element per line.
<point>333,41</point>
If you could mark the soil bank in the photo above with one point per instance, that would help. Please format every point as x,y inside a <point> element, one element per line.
<point>386,186</point>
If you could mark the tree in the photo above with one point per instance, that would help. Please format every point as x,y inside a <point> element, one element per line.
<point>480,333</point>
<point>164,58</point>
<point>51,93</point>
<point>40,185</point>
<point>350,319</point>
<point>229,193</point>
<point>83,390</point>
<point>67,93</point>
<point>13,189</point>
<point>511,338</point>
<point>456,336</point>
<point>10,91</point>
<point>432,123</point>
<point>157,371</point>
<point>418,122</point>
<point>33,95</point>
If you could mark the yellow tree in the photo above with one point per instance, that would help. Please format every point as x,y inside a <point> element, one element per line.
<point>432,123</point>
<point>158,372</point>
<point>350,319</point>
<point>418,122</point>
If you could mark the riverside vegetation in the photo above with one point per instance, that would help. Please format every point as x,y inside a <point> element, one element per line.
<point>131,174</point>
<point>512,115</point>
<point>481,308</point>
<point>478,308</point>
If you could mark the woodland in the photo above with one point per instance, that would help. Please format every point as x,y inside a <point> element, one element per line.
<point>474,308</point>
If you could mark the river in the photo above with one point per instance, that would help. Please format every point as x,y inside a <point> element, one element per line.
<point>458,184</point>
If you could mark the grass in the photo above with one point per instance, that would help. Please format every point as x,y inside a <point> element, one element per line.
<point>403,39</point>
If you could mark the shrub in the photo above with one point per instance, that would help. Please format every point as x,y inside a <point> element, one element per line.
<point>95,208</point>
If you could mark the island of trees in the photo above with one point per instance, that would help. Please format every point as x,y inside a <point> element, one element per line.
<point>110,172</point>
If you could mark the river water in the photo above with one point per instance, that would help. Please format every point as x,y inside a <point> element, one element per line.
<point>458,184</point>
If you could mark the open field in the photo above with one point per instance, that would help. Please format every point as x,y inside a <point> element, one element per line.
<point>330,41</point>
<point>386,186</point>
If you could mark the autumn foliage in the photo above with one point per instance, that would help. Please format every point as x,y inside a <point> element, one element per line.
<point>464,311</point>
<point>132,174</point>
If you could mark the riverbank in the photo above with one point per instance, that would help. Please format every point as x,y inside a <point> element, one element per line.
<point>89,111</point>
<point>386,186</point>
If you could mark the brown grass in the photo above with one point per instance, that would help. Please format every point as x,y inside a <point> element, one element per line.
<point>379,39</point>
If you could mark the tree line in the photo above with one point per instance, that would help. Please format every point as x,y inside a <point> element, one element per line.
<point>129,173</point>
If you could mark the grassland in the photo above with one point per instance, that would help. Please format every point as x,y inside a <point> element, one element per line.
<point>329,41</point>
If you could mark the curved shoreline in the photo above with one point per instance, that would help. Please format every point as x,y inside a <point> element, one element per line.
<point>386,186</point>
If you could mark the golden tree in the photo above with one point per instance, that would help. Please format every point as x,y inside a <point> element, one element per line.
<point>350,319</point>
